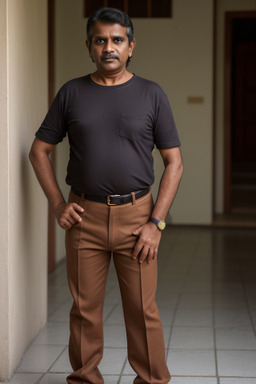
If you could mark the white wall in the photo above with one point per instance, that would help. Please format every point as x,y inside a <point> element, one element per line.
<point>4,198</point>
<point>223,6</point>
<point>23,228</point>
<point>178,54</point>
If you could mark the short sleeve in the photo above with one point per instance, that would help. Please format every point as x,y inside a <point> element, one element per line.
<point>165,132</point>
<point>53,128</point>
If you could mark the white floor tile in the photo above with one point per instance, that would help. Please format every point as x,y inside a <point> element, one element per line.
<point>107,310</point>
<point>229,318</point>
<point>192,338</point>
<point>235,339</point>
<point>237,363</point>
<point>111,379</point>
<point>54,333</point>
<point>194,318</point>
<point>237,381</point>
<point>127,379</point>
<point>59,295</point>
<point>62,364</point>
<point>195,301</point>
<point>166,331</point>
<point>191,362</point>
<point>113,361</point>
<point>228,301</point>
<point>167,299</point>
<point>54,378</point>
<point>24,378</point>
<point>61,313</point>
<point>166,315</point>
<point>198,287</point>
<point>39,358</point>
<point>114,336</point>
<point>113,297</point>
<point>193,380</point>
<point>128,369</point>
<point>116,316</point>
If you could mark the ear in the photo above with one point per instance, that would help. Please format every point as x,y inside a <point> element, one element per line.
<point>131,48</point>
<point>88,46</point>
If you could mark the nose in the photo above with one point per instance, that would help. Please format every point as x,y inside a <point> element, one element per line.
<point>108,47</point>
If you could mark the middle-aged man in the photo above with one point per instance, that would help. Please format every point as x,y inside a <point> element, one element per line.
<point>113,119</point>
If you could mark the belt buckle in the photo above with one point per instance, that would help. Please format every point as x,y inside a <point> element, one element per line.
<point>109,200</point>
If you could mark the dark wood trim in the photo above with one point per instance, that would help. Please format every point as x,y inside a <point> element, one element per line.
<point>149,8</point>
<point>51,94</point>
<point>229,17</point>
<point>214,63</point>
<point>227,111</point>
<point>126,6</point>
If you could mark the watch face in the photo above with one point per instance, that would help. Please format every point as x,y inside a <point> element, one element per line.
<point>161,225</point>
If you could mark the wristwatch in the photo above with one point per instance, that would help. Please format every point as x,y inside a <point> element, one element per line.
<point>159,223</point>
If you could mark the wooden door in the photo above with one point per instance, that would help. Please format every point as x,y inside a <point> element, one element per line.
<point>240,113</point>
<point>244,113</point>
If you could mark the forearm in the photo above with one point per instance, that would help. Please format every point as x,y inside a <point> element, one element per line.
<point>167,189</point>
<point>46,177</point>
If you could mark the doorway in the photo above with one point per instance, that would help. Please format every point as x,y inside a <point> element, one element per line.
<point>240,113</point>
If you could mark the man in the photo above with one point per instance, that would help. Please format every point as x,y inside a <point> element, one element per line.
<point>113,119</point>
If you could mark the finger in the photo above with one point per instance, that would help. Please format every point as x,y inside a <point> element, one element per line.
<point>137,249</point>
<point>71,213</point>
<point>66,218</point>
<point>143,255</point>
<point>151,255</point>
<point>78,207</point>
<point>64,224</point>
<point>71,220</point>
<point>155,254</point>
<point>74,217</point>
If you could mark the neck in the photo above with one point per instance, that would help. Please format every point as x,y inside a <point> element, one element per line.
<point>111,79</point>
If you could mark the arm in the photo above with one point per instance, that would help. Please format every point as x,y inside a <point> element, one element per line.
<point>66,214</point>
<point>149,234</point>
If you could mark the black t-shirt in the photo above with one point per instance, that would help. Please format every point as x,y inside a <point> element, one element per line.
<point>112,131</point>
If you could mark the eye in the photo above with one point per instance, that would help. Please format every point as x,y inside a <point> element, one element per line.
<point>118,39</point>
<point>99,41</point>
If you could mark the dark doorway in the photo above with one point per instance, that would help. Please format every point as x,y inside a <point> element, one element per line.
<point>240,109</point>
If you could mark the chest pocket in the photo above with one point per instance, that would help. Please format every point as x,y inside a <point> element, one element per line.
<point>132,128</point>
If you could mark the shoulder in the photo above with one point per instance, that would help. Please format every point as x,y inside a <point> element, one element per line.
<point>149,84</point>
<point>74,84</point>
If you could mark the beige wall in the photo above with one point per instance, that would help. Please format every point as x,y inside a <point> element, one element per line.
<point>23,258</point>
<point>178,54</point>
<point>223,6</point>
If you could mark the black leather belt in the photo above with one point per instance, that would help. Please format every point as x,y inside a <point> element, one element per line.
<point>115,199</point>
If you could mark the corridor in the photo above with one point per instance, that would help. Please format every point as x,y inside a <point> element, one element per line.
<point>207,301</point>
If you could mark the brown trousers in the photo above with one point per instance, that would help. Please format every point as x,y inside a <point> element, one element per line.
<point>107,230</point>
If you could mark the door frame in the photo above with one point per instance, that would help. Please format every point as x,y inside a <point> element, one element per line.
<point>229,17</point>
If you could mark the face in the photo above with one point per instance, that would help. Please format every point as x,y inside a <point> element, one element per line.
<point>110,47</point>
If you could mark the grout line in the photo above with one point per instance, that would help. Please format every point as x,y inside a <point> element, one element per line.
<point>179,297</point>
<point>122,370</point>
<point>48,371</point>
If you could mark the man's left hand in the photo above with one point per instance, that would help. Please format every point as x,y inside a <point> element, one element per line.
<point>148,242</point>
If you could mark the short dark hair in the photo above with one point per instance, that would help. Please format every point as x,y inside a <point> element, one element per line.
<point>110,16</point>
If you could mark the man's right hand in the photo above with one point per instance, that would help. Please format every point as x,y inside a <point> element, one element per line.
<point>68,214</point>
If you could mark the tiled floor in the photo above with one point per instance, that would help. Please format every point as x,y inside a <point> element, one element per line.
<point>207,301</point>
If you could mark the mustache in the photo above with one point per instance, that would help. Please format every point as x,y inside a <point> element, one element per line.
<point>109,56</point>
